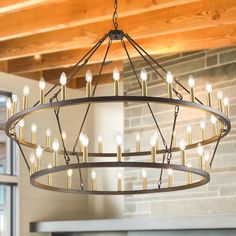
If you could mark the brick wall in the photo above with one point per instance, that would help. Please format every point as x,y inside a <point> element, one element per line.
<point>217,67</point>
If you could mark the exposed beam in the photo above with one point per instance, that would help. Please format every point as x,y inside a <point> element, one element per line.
<point>68,13</point>
<point>213,37</point>
<point>201,14</point>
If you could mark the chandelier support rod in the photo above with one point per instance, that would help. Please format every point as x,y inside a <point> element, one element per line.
<point>93,93</point>
<point>149,106</point>
<point>177,81</point>
<point>150,64</point>
<point>95,47</point>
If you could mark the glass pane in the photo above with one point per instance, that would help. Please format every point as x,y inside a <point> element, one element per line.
<point>5,210</point>
<point>5,143</point>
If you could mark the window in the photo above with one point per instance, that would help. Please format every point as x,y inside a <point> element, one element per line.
<point>8,179</point>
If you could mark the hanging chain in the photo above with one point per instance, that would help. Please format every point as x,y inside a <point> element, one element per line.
<point>115,15</point>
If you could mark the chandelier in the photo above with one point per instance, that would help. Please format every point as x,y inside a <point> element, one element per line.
<point>154,158</point>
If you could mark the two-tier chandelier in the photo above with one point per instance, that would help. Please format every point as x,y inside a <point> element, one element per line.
<point>154,158</point>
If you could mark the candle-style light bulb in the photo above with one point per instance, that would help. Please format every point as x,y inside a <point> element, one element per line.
<point>116,77</point>
<point>156,137</point>
<point>81,137</point>
<point>48,138</point>
<point>26,91</point>
<point>214,124</point>
<point>38,153</point>
<point>63,82</point>
<point>42,86</point>
<point>182,152</point>
<point>69,178</point>
<point>207,158</point>
<point>144,77</point>
<point>118,147</point>
<point>226,106</point>
<point>191,84</point>
<point>189,132</point>
<point>220,100</point>
<point>153,148</point>
<point>32,160</point>
<point>169,80</point>
<point>200,151</point>
<point>100,146</point>
<point>33,133</point>
<point>14,101</point>
<point>55,147</point>
<point>170,178</point>
<point>144,175</point>
<point>93,177</point>
<point>9,107</point>
<point>88,78</point>
<point>49,175</point>
<point>137,142</point>
<point>85,144</point>
<point>21,129</point>
<point>64,136</point>
<point>189,174</point>
<point>203,129</point>
<point>209,96</point>
<point>119,181</point>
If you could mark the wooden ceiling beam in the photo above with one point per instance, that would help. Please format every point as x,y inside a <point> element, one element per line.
<point>196,15</point>
<point>213,37</point>
<point>69,13</point>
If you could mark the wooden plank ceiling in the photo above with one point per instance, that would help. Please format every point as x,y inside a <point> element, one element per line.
<point>45,37</point>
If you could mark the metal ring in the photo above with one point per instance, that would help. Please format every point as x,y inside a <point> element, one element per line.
<point>205,177</point>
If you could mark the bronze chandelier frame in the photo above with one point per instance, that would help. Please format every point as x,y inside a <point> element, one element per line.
<point>56,105</point>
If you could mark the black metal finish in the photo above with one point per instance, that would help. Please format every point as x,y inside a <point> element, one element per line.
<point>116,34</point>
<point>205,177</point>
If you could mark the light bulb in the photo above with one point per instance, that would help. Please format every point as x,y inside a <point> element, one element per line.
<point>32,158</point>
<point>63,135</point>
<point>137,137</point>
<point>39,151</point>
<point>189,165</point>
<point>93,174</point>
<point>116,74</point>
<point>55,145</point>
<point>153,141</point>
<point>119,139</point>
<point>208,88</point>
<point>200,149</point>
<point>182,145</point>
<point>219,94</point>
<point>81,137</point>
<point>88,76</point>
<point>69,172</point>
<point>49,166</point>
<point>202,124</point>
<point>8,104</point>
<point>22,123</point>
<point>191,81</point>
<point>189,129</point>
<point>226,101</point>
<point>119,175</point>
<point>206,155</point>
<point>48,132</point>
<point>99,138</point>
<point>143,75</point>
<point>42,84</point>
<point>156,136</point>
<point>213,119</point>
<point>170,171</point>
<point>85,141</point>
<point>144,173</point>
<point>14,98</point>
<point>63,79</point>
<point>34,128</point>
<point>26,90</point>
<point>169,77</point>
